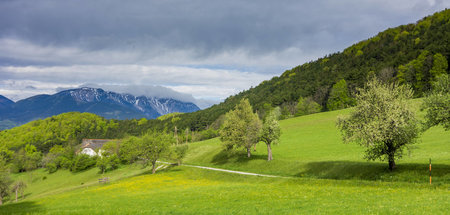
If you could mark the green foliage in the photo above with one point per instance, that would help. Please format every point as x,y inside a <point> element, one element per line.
<point>5,180</point>
<point>64,129</point>
<point>179,152</point>
<point>437,103</point>
<point>83,162</point>
<point>381,121</point>
<point>440,66</point>
<point>171,116</point>
<point>148,148</point>
<point>107,162</point>
<point>242,128</point>
<point>129,149</point>
<point>340,97</point>
<point>27,159</point>
<point>271,131</point>
<point>19,187</point>
<point>307,106</point>
<point>154,146</point>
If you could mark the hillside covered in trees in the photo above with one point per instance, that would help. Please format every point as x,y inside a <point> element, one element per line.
<point>409,54</point>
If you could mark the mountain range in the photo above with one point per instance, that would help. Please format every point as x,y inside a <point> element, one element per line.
<point>108,104</point>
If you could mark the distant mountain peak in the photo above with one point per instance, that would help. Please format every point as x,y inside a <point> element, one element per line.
<point>108,104</point>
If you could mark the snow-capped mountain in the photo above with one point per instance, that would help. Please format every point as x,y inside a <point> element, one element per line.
<point>110,105</point>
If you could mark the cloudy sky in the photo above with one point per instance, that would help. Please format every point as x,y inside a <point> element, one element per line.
<point>202,50</point>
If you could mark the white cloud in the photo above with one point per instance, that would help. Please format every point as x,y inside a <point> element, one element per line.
<point>208,85</point>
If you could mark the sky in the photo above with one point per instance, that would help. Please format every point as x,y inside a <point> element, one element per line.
<point>200,51</point>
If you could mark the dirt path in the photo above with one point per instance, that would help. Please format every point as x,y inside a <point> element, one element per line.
<point>230,171</point>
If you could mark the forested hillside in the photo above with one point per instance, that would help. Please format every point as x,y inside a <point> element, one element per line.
<point>413,54</point>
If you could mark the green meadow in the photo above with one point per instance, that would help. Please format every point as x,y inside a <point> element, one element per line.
<point>325,176</point>
<point>185,190</point>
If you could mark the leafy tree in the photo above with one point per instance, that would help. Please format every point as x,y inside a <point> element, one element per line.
<point>241,128</point>
<point>108,161</point>
<point>153,146</point>
<point>102,164</point>
<point>437,103</point>
<point>129,149</point>
<point>307,106</point>
<point>179,152</point>
<point>381,121</point>
<point>32,157</point>
<point>19,187</point>
<point>340,97</point>
<point>271,131</point>
<point>5,180</point>
<point>440,66</point>
<point>83,162</point>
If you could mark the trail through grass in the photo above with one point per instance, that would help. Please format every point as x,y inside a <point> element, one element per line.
<point>311,146</point>
<point>185,190</point>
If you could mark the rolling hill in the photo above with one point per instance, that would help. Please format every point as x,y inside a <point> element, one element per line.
<point>408,49</point>
<point>324,176</point>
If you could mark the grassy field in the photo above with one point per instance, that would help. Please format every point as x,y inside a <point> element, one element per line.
<point>327,177</point>
<point>311,146</point>
<point>185,190</point>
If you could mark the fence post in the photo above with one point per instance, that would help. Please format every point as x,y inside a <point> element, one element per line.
<point>430,170</point>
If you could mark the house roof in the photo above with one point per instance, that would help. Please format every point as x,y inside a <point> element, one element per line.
<point>94,143</point>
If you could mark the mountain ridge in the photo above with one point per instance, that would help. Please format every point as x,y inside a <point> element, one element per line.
<point>107,104</point>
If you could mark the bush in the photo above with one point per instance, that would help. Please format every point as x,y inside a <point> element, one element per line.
<point>51,167</point>
<point>83,162</point>
<point>65,163</point>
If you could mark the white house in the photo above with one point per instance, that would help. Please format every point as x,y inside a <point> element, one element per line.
<point>92,147</point>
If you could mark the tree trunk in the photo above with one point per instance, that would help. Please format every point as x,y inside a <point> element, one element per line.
<point>1,200</point>
<point>153,167</point>
<point>17,189</point>
<point>269,153</point>
<point>391,153</point>
<point>249,152</point>
<point>391,162</point>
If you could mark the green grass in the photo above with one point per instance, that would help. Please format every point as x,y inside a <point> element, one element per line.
<point>185,190</point>
<point>311,146</point>
<point>327,177</point>
<point>40,183</point>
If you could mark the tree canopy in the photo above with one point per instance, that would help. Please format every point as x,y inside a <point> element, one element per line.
<point>241,128</point>
<point>437,103</point>
<point>381,121</point>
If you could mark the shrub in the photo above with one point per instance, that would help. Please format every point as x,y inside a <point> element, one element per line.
<point>83,162</point>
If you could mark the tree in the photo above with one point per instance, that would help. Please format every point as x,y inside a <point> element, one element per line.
<point>179,152</point>
<point>437,103</point>
<point>381,121</point>
<point>153,146</point>
<point>440,66</point>
<point>307,106</point>
<point>19,187</point>
<point>339,96</point>
<point>241,128</point>
<point>271,131</point>
<point>5,180</point>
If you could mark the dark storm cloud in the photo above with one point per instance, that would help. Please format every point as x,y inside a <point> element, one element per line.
<point>207,27</point>
<point>209,49</point>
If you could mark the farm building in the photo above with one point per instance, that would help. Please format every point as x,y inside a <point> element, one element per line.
<point>92,146</point>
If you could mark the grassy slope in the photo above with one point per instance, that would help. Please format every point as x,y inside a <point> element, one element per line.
<point>194,191</point>
<point>40,183</point>
<point>311,146</point>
